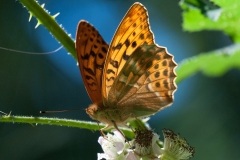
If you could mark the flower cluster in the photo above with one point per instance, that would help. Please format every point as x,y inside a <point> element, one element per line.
<point>115,147</point>
<point>175,147</point>
<point>145,146</point>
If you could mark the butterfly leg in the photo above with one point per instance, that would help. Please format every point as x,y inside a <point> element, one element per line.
<point>116,127</point>
<point>105,128</point>
<point>140,123</point>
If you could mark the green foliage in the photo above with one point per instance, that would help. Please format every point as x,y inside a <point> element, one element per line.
<point>199,15</point>
<point>214,63</point>
<point>226,18</point>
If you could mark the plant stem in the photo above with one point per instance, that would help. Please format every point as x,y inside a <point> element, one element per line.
<point>50,23</point>
<point>59,122</point>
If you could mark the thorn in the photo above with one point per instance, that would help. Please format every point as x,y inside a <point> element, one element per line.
<point>30,16</point>
<point>43,5</point>
<point>37,24</point>
<point>9,114</point>
<point>55,15</point>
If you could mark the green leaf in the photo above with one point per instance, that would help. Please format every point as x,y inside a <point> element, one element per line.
<point>214,63</point>
<point>226,18</point>
<point>202,5</point>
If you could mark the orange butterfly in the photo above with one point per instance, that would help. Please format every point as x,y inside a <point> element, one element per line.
<point>134,77</point>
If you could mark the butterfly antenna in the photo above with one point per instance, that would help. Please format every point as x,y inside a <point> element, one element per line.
<point>3,113</point>
<point>59,111</point>
<point>13,50</point>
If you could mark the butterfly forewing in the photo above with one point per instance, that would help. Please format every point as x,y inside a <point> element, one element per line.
<point>91,53</point>
<point>132,32</point>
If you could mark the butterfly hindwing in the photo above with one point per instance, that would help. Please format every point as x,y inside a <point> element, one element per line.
<point>91,53</point>
<point>132,32</point>
<point>146,83</point>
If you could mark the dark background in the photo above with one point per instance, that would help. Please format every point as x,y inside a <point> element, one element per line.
<point>205,111</point>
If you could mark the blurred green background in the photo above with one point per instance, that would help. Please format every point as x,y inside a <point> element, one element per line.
<point>205,112</point>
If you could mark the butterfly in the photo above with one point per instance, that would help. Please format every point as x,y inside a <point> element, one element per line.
<point>131,78</point>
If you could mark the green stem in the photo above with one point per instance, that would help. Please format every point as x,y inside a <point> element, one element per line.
<point>59,122</point>
<point>52,26</point>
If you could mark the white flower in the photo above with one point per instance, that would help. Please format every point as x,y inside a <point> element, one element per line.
<point>115,148</point>
<point>175,148</point>
<point>156,149</point>
<point>146,144</point>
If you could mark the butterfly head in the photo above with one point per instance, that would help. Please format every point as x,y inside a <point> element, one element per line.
<point>92,111</point>
<point>106,115</point>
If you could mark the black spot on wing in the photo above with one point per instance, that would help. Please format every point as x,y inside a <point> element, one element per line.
<point>110,71</point>
<point>141,36</point>
<point>100,56</point>
<point>119,46</point>
<point>114,63</point>
<point>164,63</point>
<point>156,66</point>
<point>134,44</point>
<point>111,78</point>
<point>89,71</point>
<point>165,72</point>
<point>157,74</point>
<point>88,77</point>
<point>99,66</point>
<point>125,56</point>
<point>92,84</point>
<point>104,49</point>
<point>86,56</point>
<point>127,42</point>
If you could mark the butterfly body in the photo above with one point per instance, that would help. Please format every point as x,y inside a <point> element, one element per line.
<point>108,115</point>
<point>134,77</point>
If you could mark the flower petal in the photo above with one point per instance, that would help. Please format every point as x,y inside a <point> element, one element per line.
<point>102,155</point>
<point>131,156</point>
